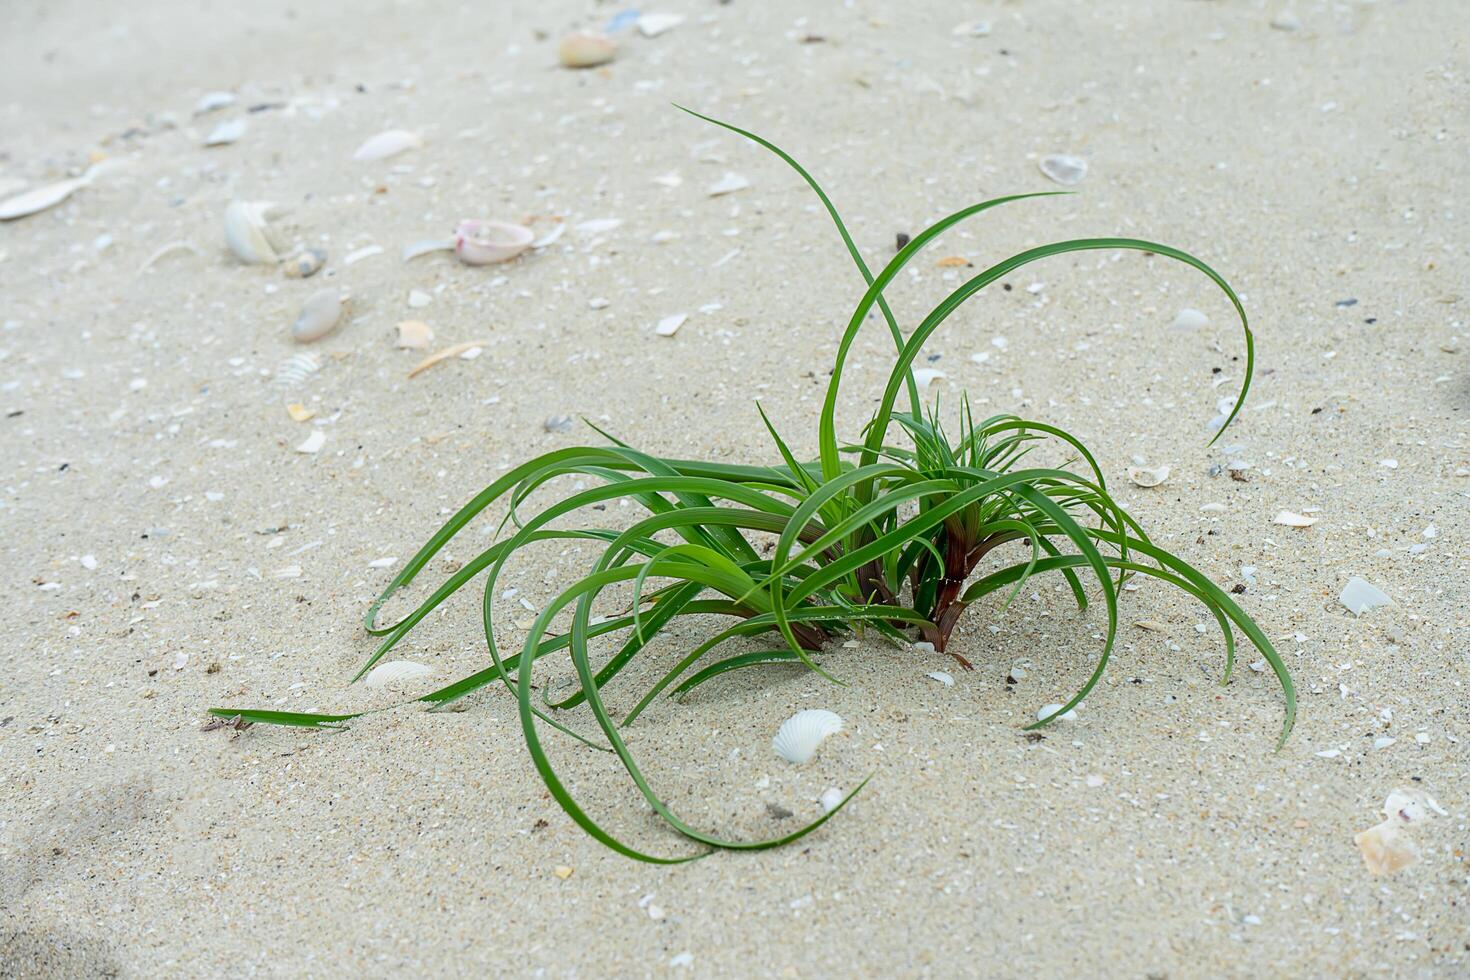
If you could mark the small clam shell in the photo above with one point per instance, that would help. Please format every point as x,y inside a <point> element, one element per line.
<point>585,50</point>
<point>1065,170</point>
<point>1144,476</point>
<point>489,242</point>
<point>296,369</point>
<point>799,735</point>
<point>1047,710</point>
<point>318,316</point>
<point>304,264</point>
<point>394,672</point>
<point>248,234</point>
<point>40,198</point>
<point>386,144</point>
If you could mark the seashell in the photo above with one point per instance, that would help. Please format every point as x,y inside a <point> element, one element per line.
<point>923,377</point>
<point>461,350</point>
<point>1190,319</point>
<point>598,225</point>
<point>584,49</point>
<point>800,734</point>
<point>394,672</point>
<point>1144,476</point>
<point>489,242</point>
<point>552,235</point>
<point>318,316</point>
<point>248,234</point>
<point>426,245</point>
<point>1047,710</point>
<point>942,677</point>
<point>313,443</point>
<point>1290,519</point>
<point>226,132</point>
<point>1016,674</point>
<point>304,264</point>
<point>728,184</point>
<point>414,335</point>
<point>387,144</point>
<point>214,100</point>
<point>299,412</point>
<point>557,423</point>
<point>830,799</point>
<point>670,325</point>
<point>166,250</point>
<point>40,198</point>
<point>1359,595</point>
<point>976,28</point>
<point>1065,170</point>
<point>358,254</point>
<point>1385,848</point>
<point>652,25</point>
<point>297,369</point>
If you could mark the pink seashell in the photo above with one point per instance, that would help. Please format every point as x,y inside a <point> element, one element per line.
<point>489,242</point>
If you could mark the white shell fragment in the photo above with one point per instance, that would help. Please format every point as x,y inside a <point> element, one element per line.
<point>424,246</point>
<point>358,254</point>
<point>248,234</point>
<point>387,144</point>
<point>395,672</point>
<point>942,677</point>
<point>297,369</point>
<point>1190,319</point>
<point>214,100</point>
<point>1047,710</point>
<point>318,316</point>
<point>923,377</point>
<point>670,325</point>
<point>490,242</point>
<point>1360,595</point>
<point>40,198</point>
<point>414,335</point>
<point>799,735</point>
<point>652,25</point>
<point>1065,170</point>
<point>728,184</point>
<point>1386,847</point>
<point>1292,519</point>
<point>585,50</point>
<point>1144,476</point>
<point>831,799</point>
<point>304,264</point>
<point>226,132</point>
<point>974,28</point>
<point>313,443</point>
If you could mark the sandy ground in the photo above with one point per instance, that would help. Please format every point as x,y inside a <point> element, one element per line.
<point>154,509</point>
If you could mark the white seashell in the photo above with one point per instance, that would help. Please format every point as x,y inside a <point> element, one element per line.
<point>214,100</point>
<point>800,734</point>
<point>297,369</point>
<point>921,646</point>
<point>414,335</point>
<point>1411,806</point>
<point>598,225</point>
<point>670,325</point>
<point>1290,519</point>
<point>1189,319</point>
<point>652,25</point>
<point>426,245</point>
<point>382,562</point>
<point>166,250</point>
<point>226,132</point>
<point>1065,170</point>
<point>304,264</point>
<point>357,255</point>
<point>489,242</point>
<point>1016,675</point>
<point>387,144</point>
<point>944,678</point>
<point>313,443</point>
<point>1212,508</point>
<point>728,184</point>
<point>585,50</point>
<point>551,236</point>
<point>976,28</point>
<point>1144,476</point>
<point>923,377</point>
<point>40,198</point>
<point>418,299</point>
<point>395,671</point>
<point>1047,710</point>
<point>830,799</point>
<point>248,234</point>
<point>318,316</point>
<point>1359,596</point>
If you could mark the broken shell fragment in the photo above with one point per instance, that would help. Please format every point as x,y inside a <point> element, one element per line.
<point>1065,170</point>
<point>799,735</point>
<point>296,369</point>
<point>728,184</point>
<point>387,144</point>
<point>1144,476</point>
<point>1360,595</point>
<point>304,264</point>
<point>1291,519</point>
<point>212,101</point>
<point>226,132</point>
<point>490,242</point>
<point>670,325</point>
<point>585,50</point>
<point>1190,319</point>
<point>1047,711</point>
<point>654,24</point>
<point>39,198</point>
<point>426,245</point>
<point>414,335</point>
<point>395,672</point>
<point>248,233</point>
<point>313,443</point>
<point>318,316</point>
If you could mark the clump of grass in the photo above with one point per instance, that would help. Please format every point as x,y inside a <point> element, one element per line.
<point>897,534</point>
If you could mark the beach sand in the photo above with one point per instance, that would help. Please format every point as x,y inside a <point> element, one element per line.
<point>167,549</point>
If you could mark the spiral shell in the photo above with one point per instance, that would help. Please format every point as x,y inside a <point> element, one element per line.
<point>799,735</point>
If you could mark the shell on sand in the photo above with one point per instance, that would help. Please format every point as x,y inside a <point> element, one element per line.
<point>394,672</point>
<point>304,264</point>
<point>39,198</point>
<point>318,317</point>
<point>797,739</point>
<point>248,233</point>
<point>1144,476</point>
<point>387,144</point>
<point>296,369</point>
<point>585,50</point>
<point>489,242</point>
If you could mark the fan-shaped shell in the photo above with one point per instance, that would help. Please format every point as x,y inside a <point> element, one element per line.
<point>297,369</point>
<point>395,671</point>
<point>799,735</point>
<point>489,242</point>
